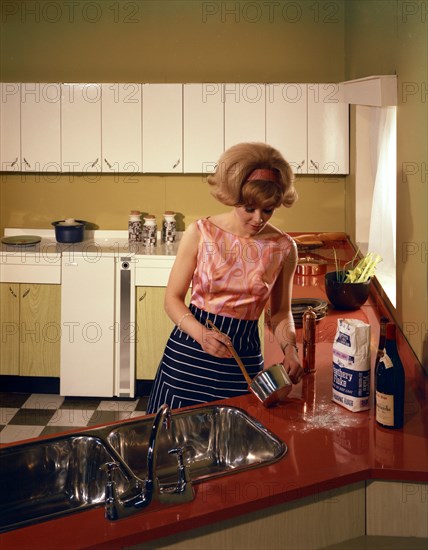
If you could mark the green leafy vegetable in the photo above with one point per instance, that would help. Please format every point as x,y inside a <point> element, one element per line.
<point>359,273</point>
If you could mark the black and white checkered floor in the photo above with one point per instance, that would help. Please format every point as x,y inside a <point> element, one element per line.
<point>24,416</point>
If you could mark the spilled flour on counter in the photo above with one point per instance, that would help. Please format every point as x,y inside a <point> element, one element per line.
<point>329,417</point>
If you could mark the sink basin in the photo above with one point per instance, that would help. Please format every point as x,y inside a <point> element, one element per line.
<point>50,478</point>
<point>53,477</point>
<point>218,440</point>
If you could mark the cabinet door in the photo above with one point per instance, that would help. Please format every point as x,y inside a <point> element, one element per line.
<point>328,130</point>
<point>40,127</point>
<point>10,126</point>
<point>286,122</point>
<point>153,330</point>
<point>162,128</point>
<point>40,329</point>
<point>121,128</point>
<point>244,113</point>
<point>9,323</point>
<point>88,325</point>
<point>81,127</point>
<point>203,127</point>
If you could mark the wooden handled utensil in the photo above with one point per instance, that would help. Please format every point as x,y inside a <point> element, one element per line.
<point>270,386</point>
<point>233,351</point>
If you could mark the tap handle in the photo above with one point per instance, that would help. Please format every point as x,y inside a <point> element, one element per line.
<point>109,468</point>
<point>183,490</point>
<point>176,451</point>
<point>183,473</point>
<point>111,511</point>
<point>179,451</point>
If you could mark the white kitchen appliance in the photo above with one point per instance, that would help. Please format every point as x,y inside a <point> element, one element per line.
<point>98,324</point>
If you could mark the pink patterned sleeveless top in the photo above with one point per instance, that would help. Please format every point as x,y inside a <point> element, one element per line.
<point>235,275</point>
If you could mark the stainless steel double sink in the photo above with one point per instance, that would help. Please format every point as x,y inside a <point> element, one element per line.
<point>61,475</point>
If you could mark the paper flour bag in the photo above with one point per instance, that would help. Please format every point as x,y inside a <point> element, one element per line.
<point>351,365</point>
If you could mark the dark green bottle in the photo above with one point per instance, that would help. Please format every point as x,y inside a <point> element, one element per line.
<point>390,382</point>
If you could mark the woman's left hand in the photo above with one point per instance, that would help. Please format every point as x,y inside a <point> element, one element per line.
<point>292,364</point>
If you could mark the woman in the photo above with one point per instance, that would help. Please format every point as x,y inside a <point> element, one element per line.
<point>235,262</point>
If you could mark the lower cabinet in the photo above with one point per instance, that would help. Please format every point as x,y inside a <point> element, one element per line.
<point>153,329</point>
<point>316,521</point>
<point>346,517</point>
<point>30,329</point>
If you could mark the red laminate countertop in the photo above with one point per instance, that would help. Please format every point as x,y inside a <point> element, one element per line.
<point>328,447</point>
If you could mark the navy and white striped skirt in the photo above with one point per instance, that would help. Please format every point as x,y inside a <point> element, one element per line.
<point>187,375</point>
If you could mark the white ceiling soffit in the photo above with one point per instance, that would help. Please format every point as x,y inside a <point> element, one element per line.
<point>376,91</point>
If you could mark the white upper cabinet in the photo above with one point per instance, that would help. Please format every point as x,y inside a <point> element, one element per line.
<point>286,122</point>
<point>81,127</point>
<point>10,126</point>
<point>203,127</point>
<point>162,128</point>
<point>40,127</point>
<point>244,115</point>
<point>169,128</point>
<point>121,128</point>
<point>328,130</point>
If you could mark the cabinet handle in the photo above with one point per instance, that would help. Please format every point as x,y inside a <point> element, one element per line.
<point>141,298</point>
<point>94,163</point>
<point>26,293</point>
<point>107,162</point>
<point>27,163</point>
<point>176,164</point>
<point>300,165</point>
<point>14,162</point>
<point>12,292</point>
<point>314,164</point>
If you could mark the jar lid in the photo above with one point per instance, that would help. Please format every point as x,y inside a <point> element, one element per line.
<point>135,213</point>
<point>149,217</point>
<point>70,221</point>
<point>169,213</point>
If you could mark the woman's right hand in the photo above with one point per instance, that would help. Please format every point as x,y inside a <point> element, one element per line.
<point>215,343</point>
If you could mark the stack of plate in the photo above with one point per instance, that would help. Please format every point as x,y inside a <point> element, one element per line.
<point>21,240</point>
<point>300,305</point>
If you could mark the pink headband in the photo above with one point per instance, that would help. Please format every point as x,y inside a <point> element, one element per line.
<point>264,174</point>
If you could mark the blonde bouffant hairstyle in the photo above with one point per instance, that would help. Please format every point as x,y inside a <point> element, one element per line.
<point>230,185</point>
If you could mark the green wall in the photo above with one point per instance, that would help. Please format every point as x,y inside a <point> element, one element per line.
<point>166,41</point>
<point>385,37</point>
<point>172,41</point>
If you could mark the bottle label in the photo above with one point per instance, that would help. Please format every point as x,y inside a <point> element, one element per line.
<point>385,409</point>
<point>386,361</point>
